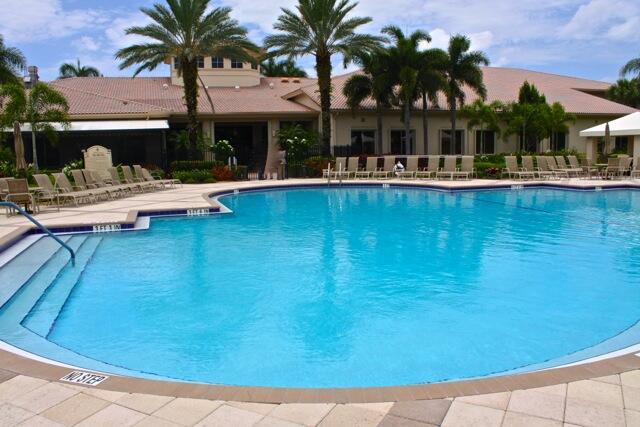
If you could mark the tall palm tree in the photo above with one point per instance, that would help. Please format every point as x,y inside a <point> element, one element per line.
<point>633,66</point>
<point>186,30</point>
<point>39,107</point>
<point>626,92</point>
<point>406,60</point>
<point>462,69</point>
<point>431,80</point>
<point>11,62</point>
<point>68,70</point>
<point>483,116</point>
<point>285,68</point>
<point>375,82</point>
<point>321,28</point>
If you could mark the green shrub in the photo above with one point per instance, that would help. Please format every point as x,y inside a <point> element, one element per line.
<point>189,165</point>
<point>223,150</point>
<point>196,176</point>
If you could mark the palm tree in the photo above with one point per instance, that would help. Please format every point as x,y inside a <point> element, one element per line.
<point>626,92</point>
<point>285,68</point>
<point>556,119</point>
<point>633,66</point>
<point>375,82</point>
<point>68,70</point>
<point>186,30</point>
<point>321,28</point>
<point>39,107</point>
<point>431,80</point>
<point>406,60</point>
<point>462,69</point>
<point>11,62</point>
<point>482,115</point>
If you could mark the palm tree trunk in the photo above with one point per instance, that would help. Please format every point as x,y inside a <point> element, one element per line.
<point>453,107</point>
<point>407,128</point>
<point>34,149</point>
<point>323,69</point>
<point>379,128</point>
<point>190,80</point>
<point>425,124</point>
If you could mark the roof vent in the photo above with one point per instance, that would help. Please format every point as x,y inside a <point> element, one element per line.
<point>237,88</point>
<point>284,80</point>
<point>296,80</point>
<point>165,86</point>
<point>271,85</point>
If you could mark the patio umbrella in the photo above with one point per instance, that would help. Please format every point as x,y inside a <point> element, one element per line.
<point>607,139</point>
<point>18,145</point>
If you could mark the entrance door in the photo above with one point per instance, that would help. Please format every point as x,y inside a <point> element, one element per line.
<point>249,141</point>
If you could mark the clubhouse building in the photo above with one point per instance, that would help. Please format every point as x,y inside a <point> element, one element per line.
<point>137,117</point>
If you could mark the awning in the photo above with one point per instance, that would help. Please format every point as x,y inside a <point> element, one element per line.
<point>101,125</point>
<point>624,126</point>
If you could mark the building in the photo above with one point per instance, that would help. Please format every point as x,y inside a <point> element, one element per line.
<point>136,117</point>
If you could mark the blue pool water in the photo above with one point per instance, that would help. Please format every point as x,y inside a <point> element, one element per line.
<point>345,287</point>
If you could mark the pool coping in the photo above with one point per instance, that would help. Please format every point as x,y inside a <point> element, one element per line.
<point>586,369</point>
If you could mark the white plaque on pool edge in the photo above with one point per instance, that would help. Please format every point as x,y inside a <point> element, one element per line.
<point>86,378</point>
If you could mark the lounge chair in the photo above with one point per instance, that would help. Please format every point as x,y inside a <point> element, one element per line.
<point>562,164</point>
<point>150,178</point>
<point>449,168</point>
<point>527,165</point>
<point>116,190</point>
<point>371,167</point>
<point>340,168</point>
<point>466,170</point>
<point>46,194</point>
<point>130,179</point>
<point>635,172</point>
<point>4,187</point>
<point>557,170</point>
<point>613,168</point>
<point>580,170</point>
<point>433,166</point>
<point>64,187</point>
<point>624,167</point>
<point>115,180</point>
<point>78,179</point>
<point>512,169</point>
<point>411,169</point>
<point>352,166</point>
<point>387,169</point>
<point>20,195</point>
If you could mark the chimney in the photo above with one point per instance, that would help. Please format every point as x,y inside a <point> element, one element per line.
<point>31,79</point>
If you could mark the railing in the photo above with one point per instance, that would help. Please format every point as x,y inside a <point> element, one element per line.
<point>24,213</point>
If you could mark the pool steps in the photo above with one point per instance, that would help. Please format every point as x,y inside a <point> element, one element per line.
<point>46,309</point>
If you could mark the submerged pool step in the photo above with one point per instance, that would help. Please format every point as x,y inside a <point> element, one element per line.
<point>45,310</point>
<point>29,263</point>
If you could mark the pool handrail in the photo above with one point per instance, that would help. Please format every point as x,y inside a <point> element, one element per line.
<point>41,227</point>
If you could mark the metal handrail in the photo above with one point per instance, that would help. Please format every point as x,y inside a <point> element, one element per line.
<point>41,227</point>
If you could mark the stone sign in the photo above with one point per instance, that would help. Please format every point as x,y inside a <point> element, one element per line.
<point>98,159</point>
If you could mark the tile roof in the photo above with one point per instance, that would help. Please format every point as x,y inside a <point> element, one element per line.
<point>157,96</point>
<point>124,95</point>
<point>503,84</point>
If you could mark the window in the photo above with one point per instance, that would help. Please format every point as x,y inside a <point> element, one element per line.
<point>235,63</point>
<point>558,141</point>
<point>217,62</point>
<point>363,142</point>
<point>621,144</point>
<point>200,61</point>
<point>176,63</point>
<point>531,145</point>
<point>254,66</point>
<point>398,142</point>
<point>485,142</point>
<point>447,146</point>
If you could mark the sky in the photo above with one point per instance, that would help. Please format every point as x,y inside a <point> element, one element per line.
<point>582,38</point>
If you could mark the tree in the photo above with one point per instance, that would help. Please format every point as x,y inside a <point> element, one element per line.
<point>405,59</point>
<point>285,68</point>
<point>631,67</point>
<point>187,30</point>
<point>431,80</point>
<point>482,115</point>
<point>12,61</point>
<point>626,92</point>
<point>462,69</point>
<point>375,82</point>
<point>527,117</point>
<point>321,28</point>
<point>556,119</point>
<point>40,107</point>
<point>68,70</point>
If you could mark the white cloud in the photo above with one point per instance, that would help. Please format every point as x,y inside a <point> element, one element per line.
<point>440,39</point>
<point>37,20</point>
<point>87,43</point>
<point>613,19</point>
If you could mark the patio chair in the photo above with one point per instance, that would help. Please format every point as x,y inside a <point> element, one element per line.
<point>63,185</point>
<point>448,169</point>
<point>4,187</point>
<point>115,180</point>
<point>20,195</point>
<point>95,179</point>
<point>371,167</point>
<point>512,169</point>
<point>613,168</point>
<point>129,178</point>
<point>624,167</point>
<point>581,170</point>
<point>387,168</point>
<point>411,169</point>
<point>47,189</point>
<point>562,164</point>
<point>527,165</point>
<point>466,169</point>
<point>168,181</point>
<point>433,166</point>
<point>635,172</point>
<point>557,170</point>
<point>78,179</point>
<point>340,168</point>
<point>352,166</point>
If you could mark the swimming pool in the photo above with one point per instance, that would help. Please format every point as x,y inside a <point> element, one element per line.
<point>341,287</point>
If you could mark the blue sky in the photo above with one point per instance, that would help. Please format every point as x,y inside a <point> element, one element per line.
<point>585,38</point>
